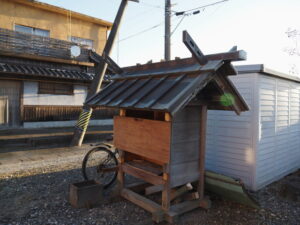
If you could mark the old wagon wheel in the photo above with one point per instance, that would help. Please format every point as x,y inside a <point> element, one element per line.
<point>100,164</point>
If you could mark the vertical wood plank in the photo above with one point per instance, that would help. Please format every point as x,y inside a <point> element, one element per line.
<point>202,143</point>
<point>166,193</point>
<point>122,112</point>
<point>168,117</point>
<point>21,102</point>
<point>121,179</point>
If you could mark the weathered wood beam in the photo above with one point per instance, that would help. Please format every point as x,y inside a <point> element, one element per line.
<point>141,201</point>
<point>153,189</point>
<point>228,56</point>
<point>138,187</point>
<point>180,191</point>
<point>147,204</point>
<point>194,49</point>
<point>202,143</point>
<point>166,192</point>
<point>120,176</point>
<point>112,65</point>
<point>142,174</point>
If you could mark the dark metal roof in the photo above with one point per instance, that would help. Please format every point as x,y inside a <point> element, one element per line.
<point>6,68</point>
<point>161,90</point>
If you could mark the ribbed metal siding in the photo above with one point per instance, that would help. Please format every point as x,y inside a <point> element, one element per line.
<point>230,149</point>
<point>278,151</point>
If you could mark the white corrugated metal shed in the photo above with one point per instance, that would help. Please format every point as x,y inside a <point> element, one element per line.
<point>263,144</point>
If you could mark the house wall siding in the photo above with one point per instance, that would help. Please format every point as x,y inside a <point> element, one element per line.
<point>278,148</point>
<point>230,138</point>
<point>31,96</point>
<point>12,13</point>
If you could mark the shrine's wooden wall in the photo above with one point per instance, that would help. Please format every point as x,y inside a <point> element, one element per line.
<point>184,167</point>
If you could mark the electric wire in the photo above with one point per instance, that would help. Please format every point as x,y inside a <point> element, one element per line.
<point>178,25</point>
<point>200,7</point>
<point>144,31</point>
<point>141,32</point>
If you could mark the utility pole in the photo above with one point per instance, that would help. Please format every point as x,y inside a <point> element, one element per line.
<point>167,30</point>
<point>100,70</point>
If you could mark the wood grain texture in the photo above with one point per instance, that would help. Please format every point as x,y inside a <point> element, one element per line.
<point>147,138</point>
<point>142,174</point>
<point>38,113</point>
<point>202,146</point>
<point>141,201</point>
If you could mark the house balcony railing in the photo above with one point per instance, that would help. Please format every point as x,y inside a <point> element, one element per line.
<point>20,44</point>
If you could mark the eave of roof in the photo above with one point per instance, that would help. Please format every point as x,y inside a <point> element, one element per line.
<point>45,72</point>
<point>261,68</point>
<point>60,10</point>
<point>164,89</point>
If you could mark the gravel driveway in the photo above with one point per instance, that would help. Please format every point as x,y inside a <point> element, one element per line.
<point>40,196</point>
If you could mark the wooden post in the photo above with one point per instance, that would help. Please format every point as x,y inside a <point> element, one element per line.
<point>168,117</point>
<point>121,180</point>
<point>202,140</point>
<point>122,112</point>
<point>100,70</point>
<point>166,193</point>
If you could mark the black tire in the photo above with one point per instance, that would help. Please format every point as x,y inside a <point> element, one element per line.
<point>94,160</point>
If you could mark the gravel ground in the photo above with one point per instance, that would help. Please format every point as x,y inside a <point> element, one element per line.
<point>40,196</point>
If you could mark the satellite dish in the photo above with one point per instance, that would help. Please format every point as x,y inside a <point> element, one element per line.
<point>75,51</point>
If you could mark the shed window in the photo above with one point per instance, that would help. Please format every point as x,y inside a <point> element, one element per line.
<point>56,88</point>
<point>82,41</point>
<point>32,30</point>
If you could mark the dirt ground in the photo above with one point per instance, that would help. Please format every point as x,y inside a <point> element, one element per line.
<point>39,195</point>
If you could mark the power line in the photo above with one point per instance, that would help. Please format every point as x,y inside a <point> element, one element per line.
<point>150,5</point>
<point>178,24</point>
<point>185,12</point>
<point>143,31</point>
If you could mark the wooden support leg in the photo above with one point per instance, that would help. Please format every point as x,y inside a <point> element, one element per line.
<point>204,202</point>
<point>121,180</point>
<point>166,193</point>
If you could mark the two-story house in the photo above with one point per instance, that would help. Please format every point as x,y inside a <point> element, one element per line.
<point>40,81</point>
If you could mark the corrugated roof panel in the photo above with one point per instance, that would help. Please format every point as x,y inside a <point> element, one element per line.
<point>158,90</point>
<point>189,92</point>
<point>129,92</point>
<point>150,99</point>
<point>105,92</point>
<point>142,93</point>
<point>119,91</point>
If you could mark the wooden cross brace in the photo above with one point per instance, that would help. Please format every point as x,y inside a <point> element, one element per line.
<point>232,55</point>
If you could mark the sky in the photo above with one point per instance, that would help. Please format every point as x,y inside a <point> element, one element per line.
<point>257,26</point>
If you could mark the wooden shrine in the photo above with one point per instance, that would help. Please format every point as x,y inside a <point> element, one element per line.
<point>161,129</point>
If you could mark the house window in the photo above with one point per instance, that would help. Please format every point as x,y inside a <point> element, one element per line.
<point>32,30</point>
<point>56,88</point>
<point>82,41</point>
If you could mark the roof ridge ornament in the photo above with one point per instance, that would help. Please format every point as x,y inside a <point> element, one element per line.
<point>194,49</point>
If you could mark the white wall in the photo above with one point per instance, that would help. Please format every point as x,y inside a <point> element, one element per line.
<point>231,138</point>
<point>278,151</point>
<point>31,96</point>
<point>71,123</point>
